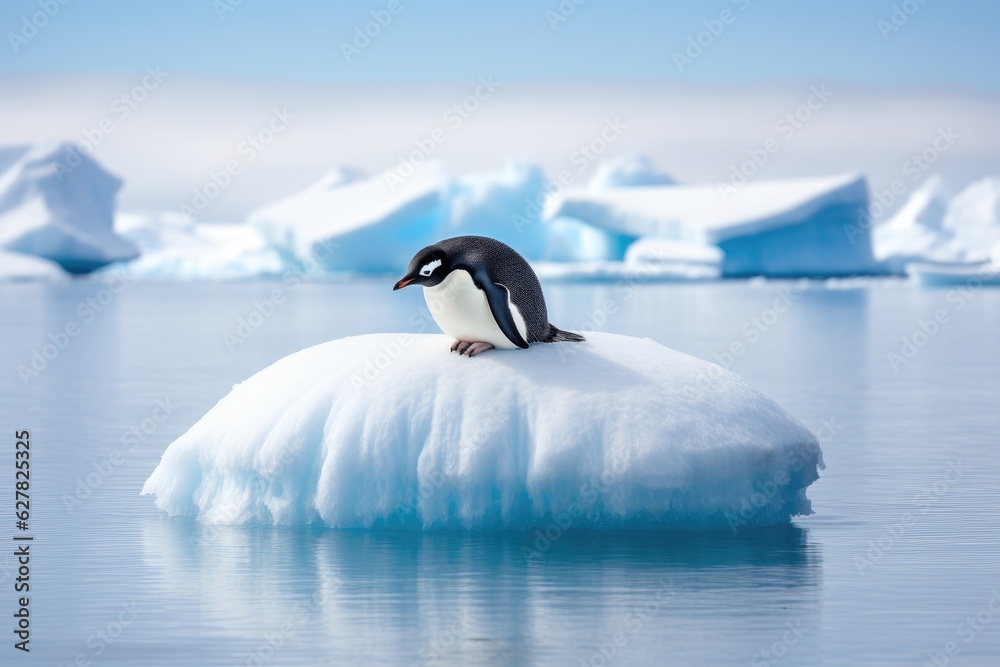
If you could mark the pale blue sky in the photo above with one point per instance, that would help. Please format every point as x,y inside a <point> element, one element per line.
<point>950,44</point>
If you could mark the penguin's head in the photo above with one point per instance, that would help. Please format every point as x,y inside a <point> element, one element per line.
<point>428,268</point>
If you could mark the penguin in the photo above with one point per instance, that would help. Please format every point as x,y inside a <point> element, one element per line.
<point>483,294</point>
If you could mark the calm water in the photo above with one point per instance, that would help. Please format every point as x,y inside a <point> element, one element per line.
<point>898,565</point>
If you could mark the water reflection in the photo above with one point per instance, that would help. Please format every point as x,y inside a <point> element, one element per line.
<point>445,598</point>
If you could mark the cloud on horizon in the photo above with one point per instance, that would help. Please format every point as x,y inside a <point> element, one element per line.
<point>166,134</point>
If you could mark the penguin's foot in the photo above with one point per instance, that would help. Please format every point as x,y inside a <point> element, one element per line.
<point>468,348</point>
<point>477,348</point>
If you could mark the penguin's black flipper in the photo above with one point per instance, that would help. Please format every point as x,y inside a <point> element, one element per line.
<point>498,297</point>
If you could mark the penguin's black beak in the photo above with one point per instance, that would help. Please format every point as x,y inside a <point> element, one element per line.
<point>403,282</point>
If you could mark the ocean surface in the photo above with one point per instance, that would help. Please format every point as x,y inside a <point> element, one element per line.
<point>900,564</point>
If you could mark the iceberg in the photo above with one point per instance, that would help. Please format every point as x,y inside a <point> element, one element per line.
<point>507,206</point>
<point>973,216</point>
<point>971,275</point>
<point>15,266</point>
<point>351,223</point>
<point>949,238</point>
<point>649,259</point>
<point>359,224</point>
<point>622,273</point>
<point>628,170</point>
<point>176,248</point>
<point>499,205</point>
<point>58,204</point>
<point>392,430</point>
<point>791,228</point>
<point>694,260</point>
<point>916,232</point>
<point>569,240</point>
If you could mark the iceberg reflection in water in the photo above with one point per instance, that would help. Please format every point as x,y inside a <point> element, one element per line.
<point>399,597</point>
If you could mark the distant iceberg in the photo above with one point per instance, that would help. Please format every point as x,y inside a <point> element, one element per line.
<point>174,247</point>
<point>784,228</point>
<point>358,224</point>
<point>628,170</point>
<point>58,204</point>
<point>392,430</point>
<point>16,266</point>
<point>947,237</point>
<point>916,232</point>
<point>631,221</point>
<point>365,225</point>
<point>693,259</point>
<point>974,217</point>
<point>651,258</point>
<point>972,275</point>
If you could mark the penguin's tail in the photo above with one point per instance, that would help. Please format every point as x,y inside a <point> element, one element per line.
<point>557,335</point>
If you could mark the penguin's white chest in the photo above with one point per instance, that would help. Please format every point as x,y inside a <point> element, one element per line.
<point>462,311</point>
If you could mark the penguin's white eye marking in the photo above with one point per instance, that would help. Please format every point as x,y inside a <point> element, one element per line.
<point>429,268</point>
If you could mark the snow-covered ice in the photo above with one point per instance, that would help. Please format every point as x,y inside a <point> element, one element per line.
<point>631,221</point>
<point>369,225</point>
<point>18,266</point>
<point>358,224</point>
<point>792,227</point>
<point>916,232</point>
<point>394,430</point>
<point>696,260</point>
<point>500,205</point>
<point>59,204</point>
<point>570,240</point>
<point>955,235</point>
<point>628,170</point>
<point>650,258</point>
<point>971,275</point>
<point>974,217</point>
<point>176,248</point>
<point>633,273</point>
